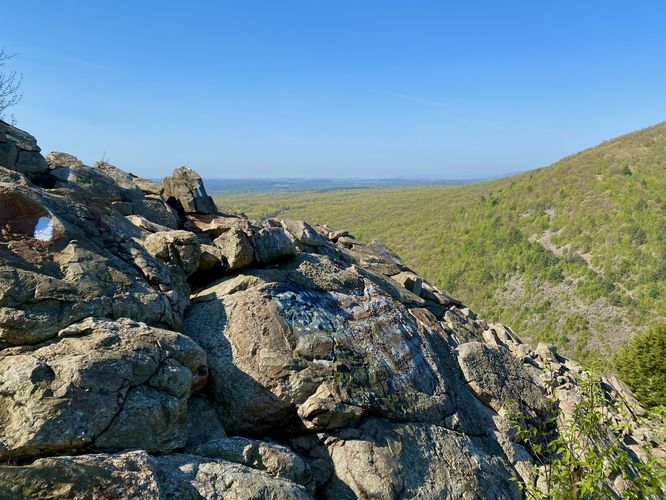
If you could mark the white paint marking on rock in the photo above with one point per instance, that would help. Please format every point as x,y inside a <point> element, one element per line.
<point>44,229</point>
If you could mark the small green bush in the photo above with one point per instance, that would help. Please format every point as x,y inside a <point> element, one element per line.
<point>642,365</point>
<point>579,459</point>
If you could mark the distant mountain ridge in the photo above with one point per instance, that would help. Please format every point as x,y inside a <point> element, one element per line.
<point>574,253</point>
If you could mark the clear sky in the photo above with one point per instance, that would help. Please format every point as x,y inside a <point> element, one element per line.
<point>337,88</point>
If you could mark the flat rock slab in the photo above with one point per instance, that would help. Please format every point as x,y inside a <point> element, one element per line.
<point>137,474</point>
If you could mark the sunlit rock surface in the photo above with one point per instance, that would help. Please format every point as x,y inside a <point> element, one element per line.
<point>152,346</point>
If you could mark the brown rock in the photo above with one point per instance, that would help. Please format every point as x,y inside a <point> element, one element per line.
<point>215,225</point>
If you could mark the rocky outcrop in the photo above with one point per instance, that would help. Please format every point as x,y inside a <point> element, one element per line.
<point>185,191</point>
<point>137,474</point>
<point>65,256</point>
<point>152,346</point>
<point>19,152</point>
<point>117,384</point>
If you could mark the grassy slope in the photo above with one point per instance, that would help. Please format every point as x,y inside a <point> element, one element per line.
<point>573,254</point>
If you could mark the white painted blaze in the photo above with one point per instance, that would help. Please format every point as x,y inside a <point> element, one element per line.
<point>44,229</point>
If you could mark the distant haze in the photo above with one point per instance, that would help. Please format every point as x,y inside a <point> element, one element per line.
<point>373,89</point>
<point>229,186</point>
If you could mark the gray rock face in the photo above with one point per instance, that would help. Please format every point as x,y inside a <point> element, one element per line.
<point>415,460</point>
<point>180,248</point>
<point>277,361</point>
<point>112,384</point>
<point>271,243</point>
<point>303,232</point>
<point>19,151</point>
<point>279,461</point>
<point>64,259</point>
<point>186,192</point>
<point>157,211</point>
<point>137,474</point>
<point>236,248</point>
<point>499,380</point>
<point>334,348</point>
<point>57,159</point>
<point>128,181</point>
<point>90,180</point>
<point>12,177</point>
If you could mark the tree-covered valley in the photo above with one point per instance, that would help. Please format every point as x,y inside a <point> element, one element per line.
<point>572,254</point>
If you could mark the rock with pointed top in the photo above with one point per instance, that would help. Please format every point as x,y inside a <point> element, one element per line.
<point>57,159</point>
<point>185,191</point>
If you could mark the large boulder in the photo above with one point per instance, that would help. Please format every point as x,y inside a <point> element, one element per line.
<point>272,243</point>
<point>58,159</point>
<point>303,232</point>
<point>501,381</point>
<point>414,460</point>
<point>65,258</point>
<point>179,248</point>
<point>157,211</point>
<point>127,180</point>
<point>126,192</point>
<point>332,348</point>
<point>91,181</point>
<point>19,151</point>
<point>185,191</point>
<point>106,384</point>
<point>236,248</point>
<point>279,461</point>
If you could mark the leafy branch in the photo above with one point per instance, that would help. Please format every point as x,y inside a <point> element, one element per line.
<point>586,457</point>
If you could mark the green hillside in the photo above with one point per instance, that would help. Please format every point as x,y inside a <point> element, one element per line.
<point>573,254</point>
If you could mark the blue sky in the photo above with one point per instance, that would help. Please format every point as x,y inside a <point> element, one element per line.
<point>316,88</point>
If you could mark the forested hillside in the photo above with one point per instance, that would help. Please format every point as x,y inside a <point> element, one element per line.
<point>573,254</point>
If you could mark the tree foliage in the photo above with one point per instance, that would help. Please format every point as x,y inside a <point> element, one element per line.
<point>585,457</point>
<point>642,365</point>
